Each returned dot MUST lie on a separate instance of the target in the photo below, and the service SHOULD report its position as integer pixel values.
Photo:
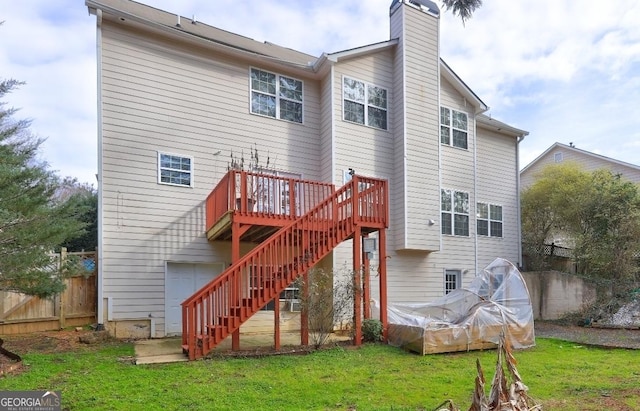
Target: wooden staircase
(223, 305)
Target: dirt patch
(47, 343)
(603, 337)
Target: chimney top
(427, 6)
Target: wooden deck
(296, 223)
(259, 203)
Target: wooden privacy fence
(75, 306)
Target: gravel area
(604, 337)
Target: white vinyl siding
(415, 105)
(497, 182)
(367, 150)
(158, 98)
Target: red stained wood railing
(221, 306)
(264, 195)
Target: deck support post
(382, 268)
(366, 287)
(357, 295)
(276, 323)
(304, 314)
(235, 256)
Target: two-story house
(177, 97)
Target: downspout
(405, 166)
(475, 196)
(333, 128)
(519, 216)
(100, 303)
(439, 215)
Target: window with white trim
(453, 128)
(175, 169)
(276, 96)
(455, 212)
(489, 220)
(452, 280)
(364, 103)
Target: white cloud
(562, 69)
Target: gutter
(191, 36)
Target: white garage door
(181, 282)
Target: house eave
(361, 51)
(462, 88)
(489, 123)
(123, 17)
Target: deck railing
(221, 306)
(264, 195)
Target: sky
(564, 70)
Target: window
(489, 220)
(453, 128)
(557, 157)
(365, 103)
(291, 298)
(455, 212)
(276, 96)
(175, 169)
(451, 280)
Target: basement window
(452, 280)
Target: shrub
(372, 330)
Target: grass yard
(561, 375)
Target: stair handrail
(348, 194)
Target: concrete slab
(168, 350)
(156, 351)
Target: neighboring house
(177, 97)
(561, 245)
(560, 153)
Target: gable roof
(462, 88)
(578, 150)
(129, 10)
(192, 30)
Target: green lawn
(560, 375)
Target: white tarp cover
(497, 301)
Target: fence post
(61, 296)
